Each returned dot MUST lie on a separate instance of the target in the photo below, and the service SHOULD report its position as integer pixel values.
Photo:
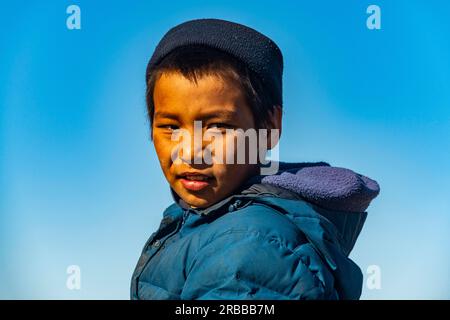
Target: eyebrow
(224, 114)
(165, 114)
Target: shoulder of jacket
(257, 219)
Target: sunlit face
(219, 104)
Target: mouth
(193, 181)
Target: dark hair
(196, 61)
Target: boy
(234, 233)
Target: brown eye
(219, 125)
(168, 127)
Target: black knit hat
(259, 53)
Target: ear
(275, 122)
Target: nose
(191, 153)
(189, 150)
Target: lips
(197, 177)
(194, 181)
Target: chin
(197, 203)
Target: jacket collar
(227, 204)
(250, 190)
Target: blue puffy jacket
(286, 236)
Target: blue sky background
(79, 179)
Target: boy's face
(219, 104)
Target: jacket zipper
(185, 215)
(184, 218)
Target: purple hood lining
(332, 188)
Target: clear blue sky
(79, 180)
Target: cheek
(162, 149)
(237, 148)
(228, 176)
(220, 172)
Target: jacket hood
(338, 197)
(330, 187)
(338, 194)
